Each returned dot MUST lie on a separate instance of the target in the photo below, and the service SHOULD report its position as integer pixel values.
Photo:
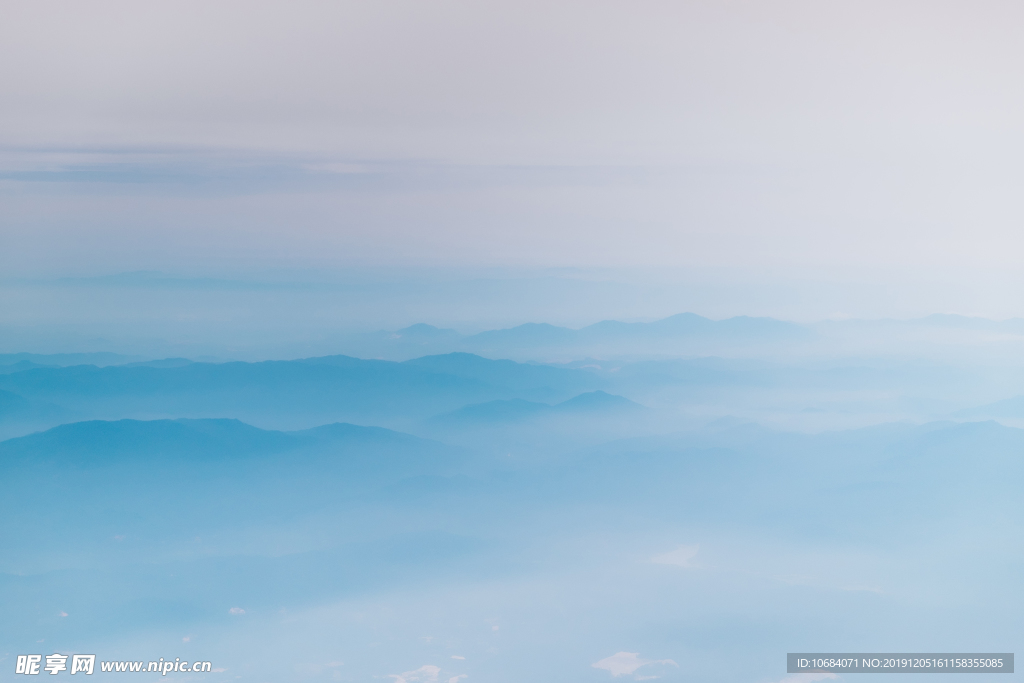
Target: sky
(857, 143)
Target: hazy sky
(210, 137)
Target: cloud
(680, 557)
(457, 657)
(425, 674)
(236, 610)
(622, 663)
(809, 678)
(455, 679)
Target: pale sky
(204, 137)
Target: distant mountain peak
(425, 332)
(597, 401)
(507, 410)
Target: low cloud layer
(625, 663)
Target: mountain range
(288, 394)
(686, 333)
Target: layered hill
(683, 334)
(288, 393)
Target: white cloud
(680, 557)
(809, 678)
(425, 674)
(455, 679)
(626, 663)
(236, 610)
